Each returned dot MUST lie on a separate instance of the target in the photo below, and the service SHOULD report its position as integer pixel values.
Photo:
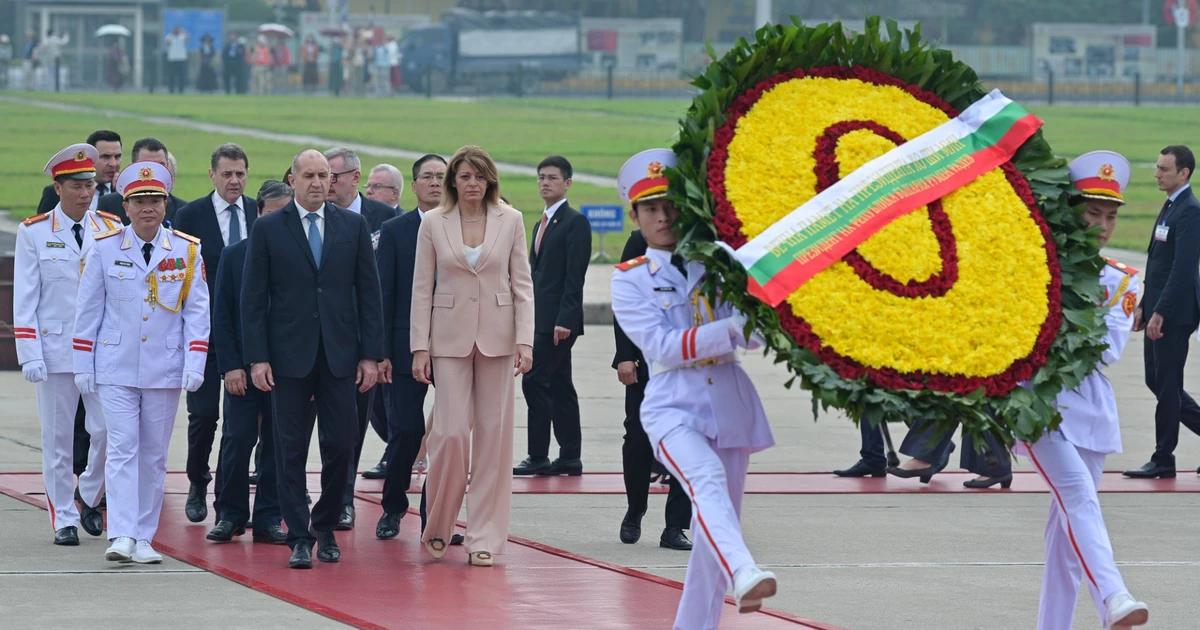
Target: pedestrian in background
(383, 70)
(233, 64)
(337, 67)
(475, 327)
(5, 59)
(177, 59)
(114, 66)
(309, 53)
(206, 81)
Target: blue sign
(605, 218)
(196, 23)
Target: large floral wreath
(976, 309)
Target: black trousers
(204, 407)
(364, 408)
(872, 450)
(1165, 359)
(406, 430)
(381, 411)
(551, 398)
(637, 460)
(239, 435)
(83, 441)
(924, 443)
(290, 406)
(176, 76)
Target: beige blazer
(456, 307)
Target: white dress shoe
(121, 550)
(145, 554)
(750, 586)
(1125, 612)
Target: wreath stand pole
(893, 459)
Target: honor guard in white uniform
(50, 248)
(701, 411)
(1071, 459)
(141, 336)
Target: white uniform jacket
(46, 280)
(1090, 410)
(141, 325)
(696, 379)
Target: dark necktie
(146, 249)
(1163, 213)
(235, 225)
(678, 262)
(78, 230)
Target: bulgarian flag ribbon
(925, 169)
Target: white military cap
(144, 178)
(1101, 175)
(644, 175)
(77, 161)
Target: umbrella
(276, 29)
(333, 31)
(113, 29)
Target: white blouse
(472, 254)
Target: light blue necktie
(235, 226)
(314, 237)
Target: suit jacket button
(121, 275)
(105, 342)
(45, 331)
(315, 315)
(143, 339)
(474, 299)
(145, 317)
(179, 347)
(710, 381)
(318, 290)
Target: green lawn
(596, 135)
(29, 136)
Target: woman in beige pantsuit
(472, 312)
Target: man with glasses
(344, 179)
(385, 184)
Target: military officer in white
(1071, 459)
(49, 250)
(701, 411)
(141, 336)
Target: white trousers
(715, 479)
(57, 400)
(1077, 544)
(139, 428)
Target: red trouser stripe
(696, 507)
(1063, 506)
(53, 520)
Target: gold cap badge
(146, 174)
(1106, 172)
(80, 156)
(654, 169)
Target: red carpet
(395, 584)
(757, 483)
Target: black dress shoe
(388, 526)
(327, 547)
(378, 472)
(90, 518)
(862, 469)
(533, 466)
(272, 535)
(674, 538)
(301, 557)
(1152, 470)
(307, 497)
(67, 537)
(1005, 482)
(631, 527)
(346, 521)
(457, 540)
(196, 508)
(224, 531)
(253, 478)
(569, 467)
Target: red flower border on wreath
(729, 228)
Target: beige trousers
(472, 432)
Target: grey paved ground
(864, 562)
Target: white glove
(85, 383)
(192, 380)
(737, 326)
(34, 371)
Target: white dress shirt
(225, 213)
(1175, 196)
(304, 220)
(356, 205)
(549, 212)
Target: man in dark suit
(233, 64)
(244, 403)
(108, 145)
(343, 190)
(312, 257)
(1170, 308)
(562, 249)
(144, 150)
(219, 219)
(637, 455)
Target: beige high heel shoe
(480, 559)
(436, 548)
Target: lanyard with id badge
(1160, 232)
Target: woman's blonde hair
(483, 164)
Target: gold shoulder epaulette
(112, 232)
(630, 264)
(35, 218)
(108, 215)
(186, 237)
(1122, 266)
